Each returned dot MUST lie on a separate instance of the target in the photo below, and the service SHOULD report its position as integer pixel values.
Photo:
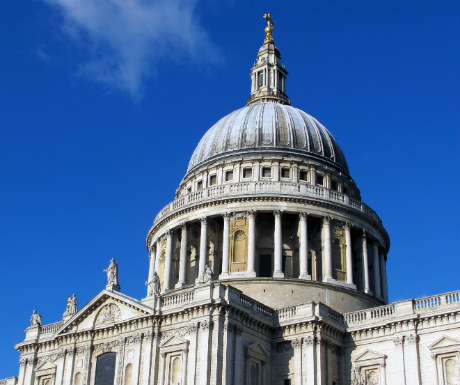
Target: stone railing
(256, 306)
(286, 312)
(298, 190)
(177, 299)
(371, 314)
(403, 308)
(50, 328)
(436, 301)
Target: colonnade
(379, 264)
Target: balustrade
(265, 187)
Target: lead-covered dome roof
(270, 128)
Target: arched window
(77, 379)
(128, 374)
(105, 369)
(175, 370)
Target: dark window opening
(229, 175)
(334, 186)
(260, 80)
(285, 173)
(266, 172)
(303, 175)
(105, 369)
(265, 265)
(319, 180)
(199, 185)
(287, 381)
(212, 180)
(247, 172)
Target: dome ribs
(268, 127)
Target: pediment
(256, 350)
(445, 343)
(47, 367)
(107, 308)
(174, 341)
(370, 355)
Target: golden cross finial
(269, 28)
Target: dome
(271, 128)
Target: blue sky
(102, 104)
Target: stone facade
(267, 268)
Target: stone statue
(154, 286)
(112, 273)
(72, 305)
(207, 277)
(35, 319)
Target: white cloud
(126, 39)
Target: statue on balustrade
(154, 286)
(207, 277)
(35, 319)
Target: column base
(179, 285)
(368, 291)
(305, 277)
(278, 274)
(224, 276)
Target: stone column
(383, 272)
(225, 246)
(168, 258)
(151, 265)
(348, 254)
(377, 285)
(183, 256)
(303, 260)
(327, 258)
(157, 255)
(278, 244)
(365, 265)
(203, 246)
(251, 243)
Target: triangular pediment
(369, 355)
(47, 366)
(173, 341)
(106, 309)
(257, 351)
(445, 343)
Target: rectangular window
(303, 175)
(260, 80)
(212, 180)
(228, 175)
(287, 381)
(189, 190)
(319, 180)
(199, 185)
(266, 172)
(334, 186)
(247, 173)
(285, 173)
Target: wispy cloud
(126, 39)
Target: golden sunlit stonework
(266, 269)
